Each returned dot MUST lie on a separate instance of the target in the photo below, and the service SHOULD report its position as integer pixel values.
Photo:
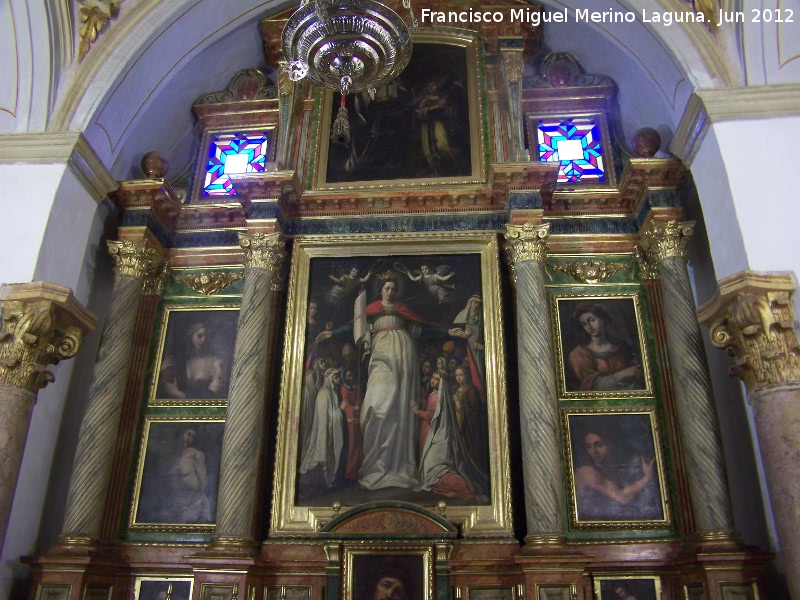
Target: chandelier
(347, 46)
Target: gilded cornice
(149, 194)
(68, 147)
(42, 323)
(133, 259)
(209, 282)
(525, 242)
(589, 271)
(660, 240)
(752, 319)
(263, 251)
(716, 105)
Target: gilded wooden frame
(160, 446)
(290, 517)
(632, 437)
(175, 588)
(476, 135)
(643, 587)
(579, 369)
(220, 322)
(364, 564)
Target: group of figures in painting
(394, 396)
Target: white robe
(388, 423)
(326, 441)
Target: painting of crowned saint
(601, 347)
(196, 354)
(394, 394)
(427, 107)
(615, 474)
(177, 481)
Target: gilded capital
(133, 259)
(647, 268)
(42, 324)
(660, 240)
(263, 251)
(752, 319)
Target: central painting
(393, 379)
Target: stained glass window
(233, 153)
(575, 143)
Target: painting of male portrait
(178, 477)
(196, 354)
(628, 588)
(394, 391)
(602, 347)
(387, 576)
(615, 471)
(426, 108)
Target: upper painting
(425, 126)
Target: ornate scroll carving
(752, 319)
(263, 251)
(589, 271)
(660, 240)
(42, 324)
(210, 282)
(94, 15)
(134, 259)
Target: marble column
(134, 263)
(42, 324)
(244, 424)
(541, 449)
(752, 318)
(664, 244)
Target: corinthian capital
(134, 259)
(525, 242)
(263, 251)
(42, 323)
(660, 240)
(751, 318)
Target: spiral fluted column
(42, 324)
(244, 425)
(134, 263)
(541, 450)
(664, 245)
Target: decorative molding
(715, 105)
(649, 270)
(263, 251)
(94, 14)
(70, 148)
(751, 317)
(42, 324)
(209, 282)
(660, 240)
(589, 271)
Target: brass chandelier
(347, 46)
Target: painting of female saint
(195, 355)
(602, 349)
(417, 126)
(369, 376)
(615, 474)
(177, 477)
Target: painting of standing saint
(374, 408)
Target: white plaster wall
(26, 198)
(762, 178)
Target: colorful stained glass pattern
(233, 153)
(575, 143)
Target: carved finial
(336, 506)
(646, 142)
(441, 506)
(154, 166)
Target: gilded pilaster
(513, 70)
(526, 251)
(664, 244)
(42, 324)
(134, 263)
(752, 319)
(244, 426)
